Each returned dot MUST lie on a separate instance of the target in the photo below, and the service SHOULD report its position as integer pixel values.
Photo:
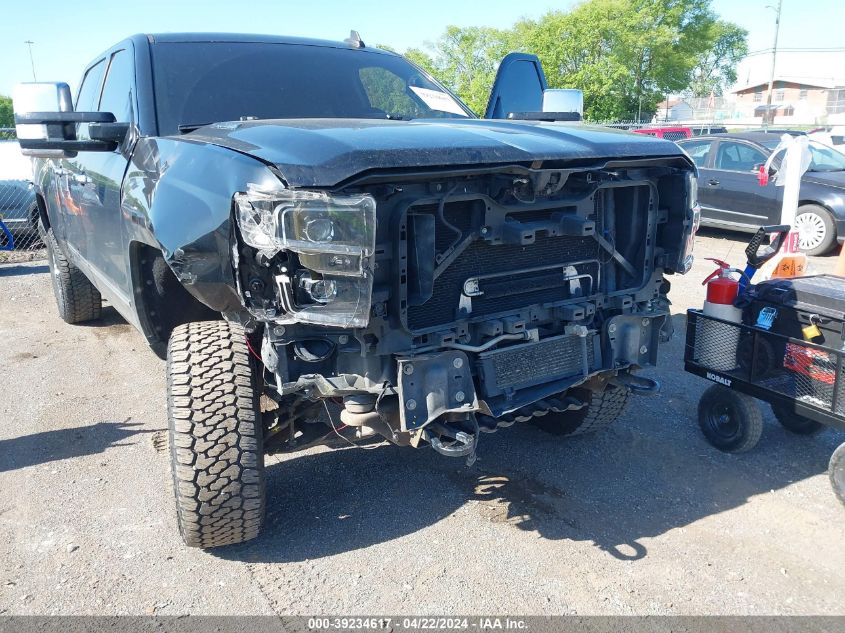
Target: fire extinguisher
(722, 292)
(716, 343)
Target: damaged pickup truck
(303, 221)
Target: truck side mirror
(46, 123)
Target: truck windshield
(198, 83)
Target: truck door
(98, 177)
(519, 86)
(74, 227)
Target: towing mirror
(46, 123)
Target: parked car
(832, 137)
(706, 130)
(18, 209)
(731, 196)
(306, 221)
(669, 133)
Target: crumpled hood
(325, 152)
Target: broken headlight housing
(334, 239)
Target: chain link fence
(19, 238)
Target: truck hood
(326, 152)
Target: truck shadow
(51, 446)
(651, 472)
(614, 490)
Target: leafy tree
(624, 54)
(716, 69)
(7, 116)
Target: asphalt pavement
(644, 518)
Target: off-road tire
(795, 423)
(730, 421)
(76, 297)
(836, 472)
(216, 446)
(603, 408)
(822, 218)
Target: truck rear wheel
(76, 297)
(603, 407)
(216, 446)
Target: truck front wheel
(216, 446)
(603, 408)
(76, 297)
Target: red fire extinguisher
(716, 343)
(721, 292)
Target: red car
(669, 133)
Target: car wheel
(216, 445)
(816, 232)
(76, 297)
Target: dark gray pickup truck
(301, 221)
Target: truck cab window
(89, 89)
(118, 87)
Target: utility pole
(769, 117)
(31, 60)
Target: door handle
(713, 182)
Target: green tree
(716, 69)
(624, 54)
(7, 115)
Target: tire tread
(76, 297)
(215, 435)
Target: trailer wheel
(836, 471)
(216, 445)
(730, 421)
(795, 423)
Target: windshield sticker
(437, 100)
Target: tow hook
(464, 444)
(638, 385)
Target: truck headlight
(335, 234)
(334, 238)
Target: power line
(768, 51)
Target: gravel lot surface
(645, 518)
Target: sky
(70, 34)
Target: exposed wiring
(343, 437)
(249, 345)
